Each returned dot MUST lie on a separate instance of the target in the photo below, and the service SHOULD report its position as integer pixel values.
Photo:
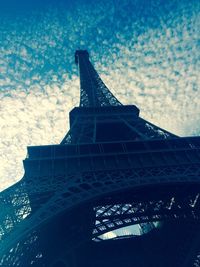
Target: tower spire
(101, 117)
(94, 92)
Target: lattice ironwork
(94, 92)
(62, 192)
(96, 128)
(113, 169)
(173, 206)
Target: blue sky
(147, 52)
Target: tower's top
(94, 92)
(101, 117)
(79, 53)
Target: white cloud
(153, 66)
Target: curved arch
(121, 187)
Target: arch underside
(161, 204)
(38, 203)
(108, 212)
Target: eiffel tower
(118, 191)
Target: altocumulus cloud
(147, 52)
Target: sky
(146, 51)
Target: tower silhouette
(118, 191)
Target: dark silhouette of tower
(118, 191)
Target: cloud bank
(147, 54)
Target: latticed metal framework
(83, 202)
(94, 92)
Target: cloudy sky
(146, 51)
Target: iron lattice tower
(113, 173)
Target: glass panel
(46, 151)
(59, 151)
(135, 146)
(84, 149)
(34, 152)
(158, 145)
(95, 149)
(71, 150)
(112, 147)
